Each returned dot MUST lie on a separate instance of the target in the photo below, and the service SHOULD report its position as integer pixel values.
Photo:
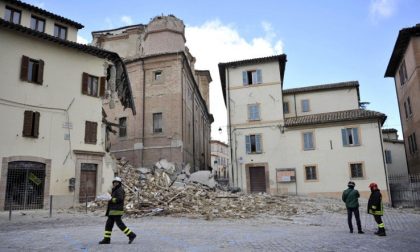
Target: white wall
(398, 166)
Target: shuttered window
(91, 129)
(308, 141)
(93, 85)
(31, 124)
(253, 112)
(157, 122)
(253, 144)
(350, 136)
(32, 70)
(252, 77)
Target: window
(157, 122)
(92, 85)
(310, 172)
(253, 144)
(37, 24)
(251, 77)
(388, 157)
(405, 110)
(12, 15)
(91, 129)
(412, 143)
(286, 107)
(253, 112)
(305, 105)
(122, 126)
(403, 73)
(32, 70)
(410, 112)
(60, 31)
(31, 124)
(356, 170)
(158, 75)
(350, 136)
(308, 141)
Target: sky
(326, 41)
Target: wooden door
(87, 190)
(257, 179)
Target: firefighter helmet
(373, 185)
(116, 179)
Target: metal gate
(405, 190)
(25, 185)
(87, 182)
(257, 179)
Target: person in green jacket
(351, 197)
(114, 211)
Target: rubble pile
(168, 190)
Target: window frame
(32, 70)
(59, 31)
(122, 127)
(257, 139)
(252, 77)
(91, 132)
(312, 138)
(402, 72)
(410, 111)
(302, 103)
(31, 121)
(362, 167)
(345, 143)
(157, 75)
(87, 85)
(250, 112)
(12, 14)
(155, 117)
(286, 105)
(37, 21)
(388, 156)
(306, 179)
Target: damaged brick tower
(171, 97)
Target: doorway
(88, 175)
(257, 179)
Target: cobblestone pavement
(35, 231)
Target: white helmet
(116, 179)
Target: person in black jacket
(376, 208)
(351, 197)
(114, 211)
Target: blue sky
(326, 41)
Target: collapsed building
(171, 97)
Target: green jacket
(351, 197)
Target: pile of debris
(168, 190)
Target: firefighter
(351, 197)
(376, 208)
(114, 211)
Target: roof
(204, 73)
(126, 98)
(43, 12)
(323, 87)
(394, 141)
(331, 117)
(218, 142)
(389, 131)
(400, 46)
(120, 28)
(282, 59)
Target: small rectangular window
(60, 31)
(12, 15)
(31, 124)
(90, 85)
(356, 170)
(410, 112)
(388, 157)
(350, 136)
(305, 105)
(32, 70)
(157, 122)
(286, 107)
(412, 143)
(308, 141)
(37, 24)
(402, 72)
(311, 172)
(157, 75)
(91, 129)
(253, 144)
(251, 77)
(253, 112)
(405, 110)
(123, 126)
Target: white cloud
(82, 40)
(381, 9)
(127, 20)
(213, 43)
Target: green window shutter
(248, 144)
(344, 136)
(259, 76)
(244, 78)
(24, 68)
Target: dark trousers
(378, 219)
(114, 219)
(350, 212)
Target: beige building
(309, 140)
(394, 153)
(171, 97)
(53, 135)
(220, 159)
(404, 67)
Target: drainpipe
(229, 126)
(144, 104)
(294, 100)
(384, 163)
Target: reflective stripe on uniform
(114, 200)
(127, 231)
(107, 234)
(116, 212)
(381, 225)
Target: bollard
(51, 198)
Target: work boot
(351, 231)
(381, 232)
(378, 231)
(360, 232)
(105, 241)
(131, 237)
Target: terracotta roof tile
(338, 85)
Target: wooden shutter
(355, 136)
(259, 76)
(258, 148)
(102, 87)
(85, 78)
(245, 78)
(36, 124)
(24, 68)
(248, 144)
(40, 78)
(344, 136)
(90, 132)
(27, 123)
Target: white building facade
(219, 159)
(308, 141)
(394, 150)
(51, 89)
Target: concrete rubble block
(168, 167)
(204, 178)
